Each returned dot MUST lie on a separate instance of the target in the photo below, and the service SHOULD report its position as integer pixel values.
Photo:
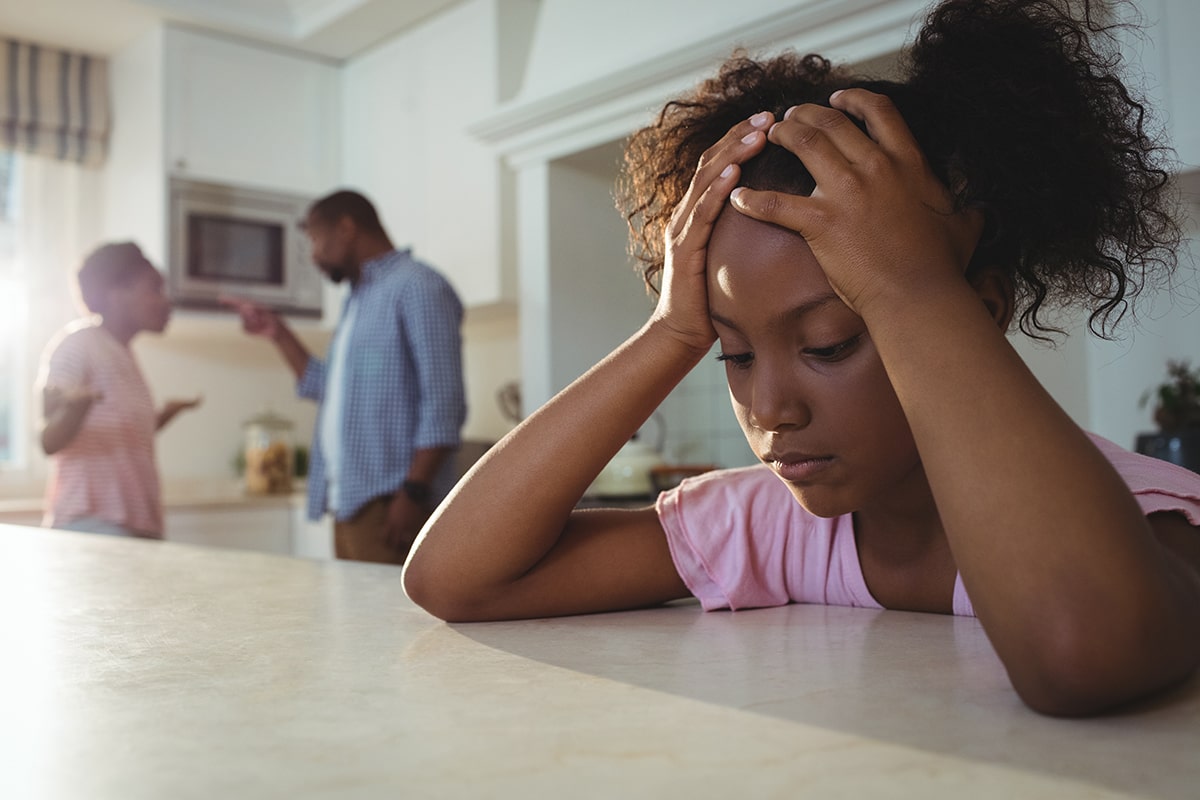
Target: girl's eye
(737, 360)
(834, 352)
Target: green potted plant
(1177, 414)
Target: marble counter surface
(195, 494)
(138, 669)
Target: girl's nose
(777, 401)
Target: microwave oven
(239, 241)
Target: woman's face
(807, 384)
(144, 301)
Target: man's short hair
(347, 203)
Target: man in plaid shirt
(390, 391)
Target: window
(13, 315)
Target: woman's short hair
(109, 266)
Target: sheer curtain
(59, 218)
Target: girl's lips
(799, 468)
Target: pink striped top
(108, 471)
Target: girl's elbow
(1063, 696)
(437, 592)
(1079, 676)
(1079, 695)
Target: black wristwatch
(417, 492)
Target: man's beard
(335, 272)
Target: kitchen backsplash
(701, 427)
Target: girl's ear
(995, 289)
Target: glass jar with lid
(269, 454)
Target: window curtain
(57, 223)
(53, 102)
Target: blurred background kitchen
(488, 132)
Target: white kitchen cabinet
(263, 528)
(198, 106)
(243, 114)
(311, 538)
(406, 106)
(20, 514)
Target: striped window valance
(53, 102)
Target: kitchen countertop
(195, 494)
(139, 669)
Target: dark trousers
(363, 537)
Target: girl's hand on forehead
(880, 223)
(683, 302)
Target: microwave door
(241, 242)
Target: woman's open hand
(172, 409)
(879, 222)
(683, 303)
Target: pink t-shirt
(108, 471)
(740, 540)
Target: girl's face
(807, 384)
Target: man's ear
(996, 290)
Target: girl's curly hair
(1016, 104)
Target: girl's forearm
(512, 507)
(1057, 556)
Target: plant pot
(1178, 447)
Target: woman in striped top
(99, 417)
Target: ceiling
(336, 29)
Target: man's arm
(431, 318)
(260, 321)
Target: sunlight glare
(14, 307)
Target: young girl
(859, 249)
(99, 418)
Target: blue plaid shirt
(403, 383)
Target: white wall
(490, 360)
(1168, 327)
(1101, 383)
(406, 108)
(597, 300)
(238, 377)
(596, 297)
